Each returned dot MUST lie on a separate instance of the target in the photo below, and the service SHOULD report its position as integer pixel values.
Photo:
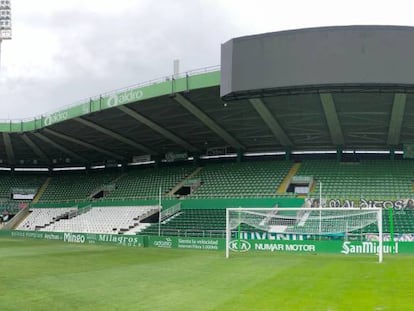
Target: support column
(157, 160)
(239, 156)
(288, 154)
(196, 160)
(338, 154)
(392, 153)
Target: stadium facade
(286, 113)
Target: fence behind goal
(311, 226)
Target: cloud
(65, 51)
(60, 55)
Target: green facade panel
(186, 204)
(5, 126)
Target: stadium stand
(146, 182)
(75, 186)
(11, 206)
(42, 217)
(403, 221)
(246, 179)
(193, 222)
(119, 219)
(368, 179)
(241, 179)
(9, 181)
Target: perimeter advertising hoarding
(187, 243)
(79, 238)
(317, 57)
(258, 245)
(314, 247)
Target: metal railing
(171, 211)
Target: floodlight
(5, 21)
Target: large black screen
(356, 55)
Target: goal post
(351, 230)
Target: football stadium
(282, 179)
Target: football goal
(347, 228)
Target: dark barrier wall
(318, 57)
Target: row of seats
(365, 179)
(9, 181)
(233, 179)
(242, 179)
(41, 217)
(372, 179)
(193, 222)
(148, 182)
(76, 185)
(115, 220)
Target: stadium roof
(185, 114)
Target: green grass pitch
(50, 275)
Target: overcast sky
(64, 51)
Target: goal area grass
(52, 275)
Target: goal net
(311, 224)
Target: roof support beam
(84, 144)
(35, 148)
(154, 126)
(9, 149)
(270, 121)
(331, 116)
(117, 136)
(207, 121)
(397, 115)
(59, 147)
